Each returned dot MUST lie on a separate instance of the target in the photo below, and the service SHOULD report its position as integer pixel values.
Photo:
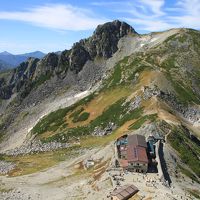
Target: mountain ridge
(85, 50)
(13, 61)
(113, 83)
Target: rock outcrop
(35, 80)
(103, 43)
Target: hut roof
(137, 140)
(125, 192)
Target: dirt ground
(69, 180)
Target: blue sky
(52, 25)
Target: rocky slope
(112, 83)
(103, 44)
(36, 80)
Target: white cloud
(154, 5)
(107, 3)
(149, 15)
(156, 15)
(149, 25)
(145, 14)
(56, 16)
(189, 14)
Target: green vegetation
(3, 189)
(116, 113)
(31, 163)
(2, 157)
(184, 93)
(56, 119)
(79, 116)
(169, 62)
(116, 76)
(76, 113)
(188, 173)
(188, 150)
(195, 39)
(51, 122)
(124, 72)
(171, 38)
(41, 79)
(195, 193)
(55, 124)
(136, 68)
(142, 120)
(182, 38)
(82, 117)
(179, 37)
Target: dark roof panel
(137, 140)
(125, 192)
(137, 153)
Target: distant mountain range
(8, 60)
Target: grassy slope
(29, 164)
(178, 57)
(188, 150)
(108, 105)
(184, 91)
(103, 107)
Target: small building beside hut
(89, 163)
(124, 193)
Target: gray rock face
(99, 131)
(103, 43)
(190, 113)
(135, 104)
(6, 167)
(16, 194)
(36, 146)
(36, 80)
(78, 57)
(18, 79)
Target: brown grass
(46, 135)
(99, 104)
(29, 164)
(147, 77)
(124, 128)
(94, 141)
(100, 169)
(153, 106)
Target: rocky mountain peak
(103, 43)
(105, 38)
(116, 27)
